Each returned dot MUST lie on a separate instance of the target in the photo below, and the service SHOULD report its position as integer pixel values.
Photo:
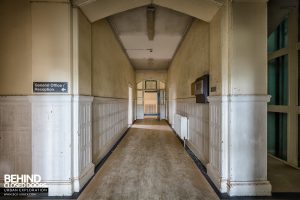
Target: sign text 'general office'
(50, 87)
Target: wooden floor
(149, 163)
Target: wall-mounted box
(193, 88)
(202, 89)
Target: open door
(151, 100)
(151, 104)
(140, 101)
(130, 106)
(162, 104)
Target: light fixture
(151, 22)
(150, 50)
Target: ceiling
(130, 21)
(99, 9)
(131, 28)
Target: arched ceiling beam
(99, 9)
(200, 9)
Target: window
(139, 101)
(299, 23)
(162, 97)
(279, 38)
(298, 86)
(298, 140)
(278, 80)
(140, 85)
(150, 85)
(278, 89)
(298, 77)
(139, 96)
(277, 134)
(162, 85)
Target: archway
(201, 9)
(151, 99)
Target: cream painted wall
(190, 62)
(111, 69)
(82, 54)
(85, 55)
(35, 44)
(51, 42)
(219, 52)
(248, 49)
(15, 48)
(215, 54)
(141, 75)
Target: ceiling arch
(99, 9)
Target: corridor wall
(83, 168)
(36, 46)
(231, 128)
(15, 48)
(15, 80)
(141, 75)
(50, 134)
(112, 73)
(190, 62)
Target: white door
(150, 103)
(162, 104)
(130, 107)
(140, 105)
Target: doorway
(130, 107)
(151, 99)
(150, 104)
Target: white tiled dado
(51, 135)
(222, 143)
(52, 142)
(234, 144)
(198, 130)
(171, 112)
(110, 121)
(15, 135)
(83, 168)
(217, 168)
(247, 144)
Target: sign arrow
(50, 87)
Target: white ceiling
(131, 28)
(130, 25)
(99, 9)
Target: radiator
(181, 126)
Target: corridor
(149, 163)
(92, 91)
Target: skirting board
(259, 188)
(215, 177)
(84, 178)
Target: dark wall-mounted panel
(202, 89)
